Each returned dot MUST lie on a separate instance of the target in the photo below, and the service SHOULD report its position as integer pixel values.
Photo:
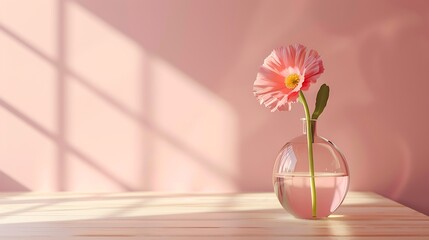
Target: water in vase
(294, 192)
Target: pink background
(157, 95)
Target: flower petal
(305, 85)
(269, 86)
(293, 97)
(313, 66)
(268, 76)
(300, 56)
(274, 63)
(286, 55)
(282, 105)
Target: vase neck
(313, 126)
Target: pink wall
(157, 95)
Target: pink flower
(285, 72)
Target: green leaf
(321, 100)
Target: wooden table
(139, 215)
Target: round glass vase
(292, 178)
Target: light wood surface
(140, 215)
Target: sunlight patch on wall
(103, 56)
(107, 137)
(120, 93)
(27, 82)
(126, 120)
(83, 177)
(201, 147)
(105, 67)
(28, 92)
(25, 154)
(33, 21)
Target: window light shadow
(59, 138)
(69, 148)
(70, 17)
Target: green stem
(310, 153)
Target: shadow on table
(158, 216)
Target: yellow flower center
(292, 81)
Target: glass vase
(291, 176)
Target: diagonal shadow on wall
(63, 147)
(8, 184)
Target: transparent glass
(291, 176)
